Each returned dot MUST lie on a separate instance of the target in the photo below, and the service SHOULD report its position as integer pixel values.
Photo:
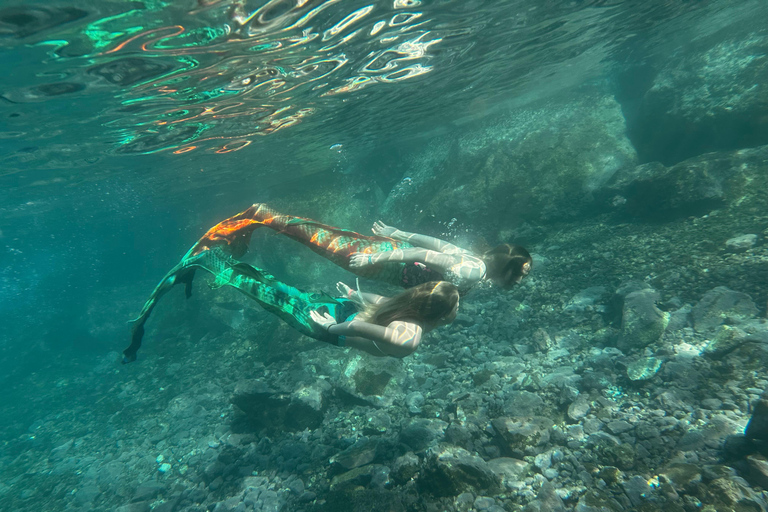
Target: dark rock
(523, 403)
(419, 434)
(618, 426)
(260, 405)
(757, 473)
(378, 422)
(612, 452)
(463, 320)
(757, 428)
(646, 430)
(682, 476)
(360, 454)
(380, 477)
(637, 490)
(610, 475)
(654, 192)
(642, 323)
(722, 305)
(307, 407)
(449, 471)
(404, 468)
(371, 382)
(546, 500)
(680, 318)
(414, 401)
(734, 493)
(736, 447)
(147, 490)
(726, 339)
(361, 476)
(140, 506)
(578, 409)
(513, 435)
(595, 500)
(364, 500)
(509, 469)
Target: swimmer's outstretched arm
(433, 259)
(462, 265)
(398, 339)
(427, 242)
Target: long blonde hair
(426, 303)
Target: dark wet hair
(427, 303)
(504, 264)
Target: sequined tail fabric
(290, 304)
(335, 244)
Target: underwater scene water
(621, 144)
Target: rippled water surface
(186, 78)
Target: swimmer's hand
(353, 295)
(359, 260)
(381, 229)
(326, 321)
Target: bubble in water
(341, 163)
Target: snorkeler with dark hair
(373, 323)
(392, 256)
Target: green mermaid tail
(292, 305)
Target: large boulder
(711, 97)
(537, 162)
(722, 305)
(262, 405)
(692, 187)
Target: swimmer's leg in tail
(334, 244)
(292, 305)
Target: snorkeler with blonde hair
(390, 255)
(378, 325)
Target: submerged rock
(509, 470)
(691, 187)
(642, 323)
(596, 500)
(546, 500)
(643, 368)
(421, 433)
(515, 434)
(307, 406)
(722, 305)
(757, 428)
(523, 403)
(449, 471)
(405, 467)
(578, 409)
(726, 339)
(713, 99)
(360, 454)
(741, 243)
(537, 162)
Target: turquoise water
(624, 143)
